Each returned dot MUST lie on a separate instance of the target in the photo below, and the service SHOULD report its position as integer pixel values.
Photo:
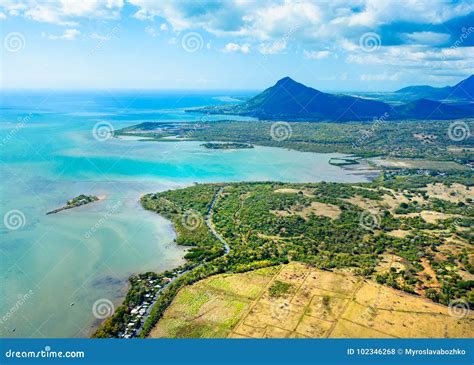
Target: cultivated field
(295, 300)
(420, 164)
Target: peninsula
(76, 202)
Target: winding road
(210, 225)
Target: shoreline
(188, 266)
(362, 168)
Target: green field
(411, 233)
(320, 304)
(397, 139)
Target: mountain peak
(285, 81)
(290, 100)
(469, 80)
(462, 90)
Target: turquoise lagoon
(54, 268)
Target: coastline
(364, 170)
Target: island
(76, 202)
(227, 146)
(343, 161)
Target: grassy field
(295, 300)
(410, 234)
(420, 164)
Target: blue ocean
(55, 267)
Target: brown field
(316, 304)
(399, 233)
(316, 208)
(430, 216)
(294, 191)
(388, 260)
(391, 200)
(454, 193)
(419, 164)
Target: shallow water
(55, 267)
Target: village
(146, 289)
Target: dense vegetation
(187, 210)
(227, 146)
(76, 202)
(290, 100)
(407, 139)
(272, 223)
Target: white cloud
(2, 15)
(99, 37)
(427, 38)
(68, 34)
(376, 12)
(414, 57)
(380, 77)
(276, 26)
(268, 20)
(151, 30)
(62, 12)
(234, 47)
(272, 48)
(316, 55)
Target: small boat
(13, 329)
(72, 304)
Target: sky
(353, 45)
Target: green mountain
(463, 90)
(289, 100)
(428, 109)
